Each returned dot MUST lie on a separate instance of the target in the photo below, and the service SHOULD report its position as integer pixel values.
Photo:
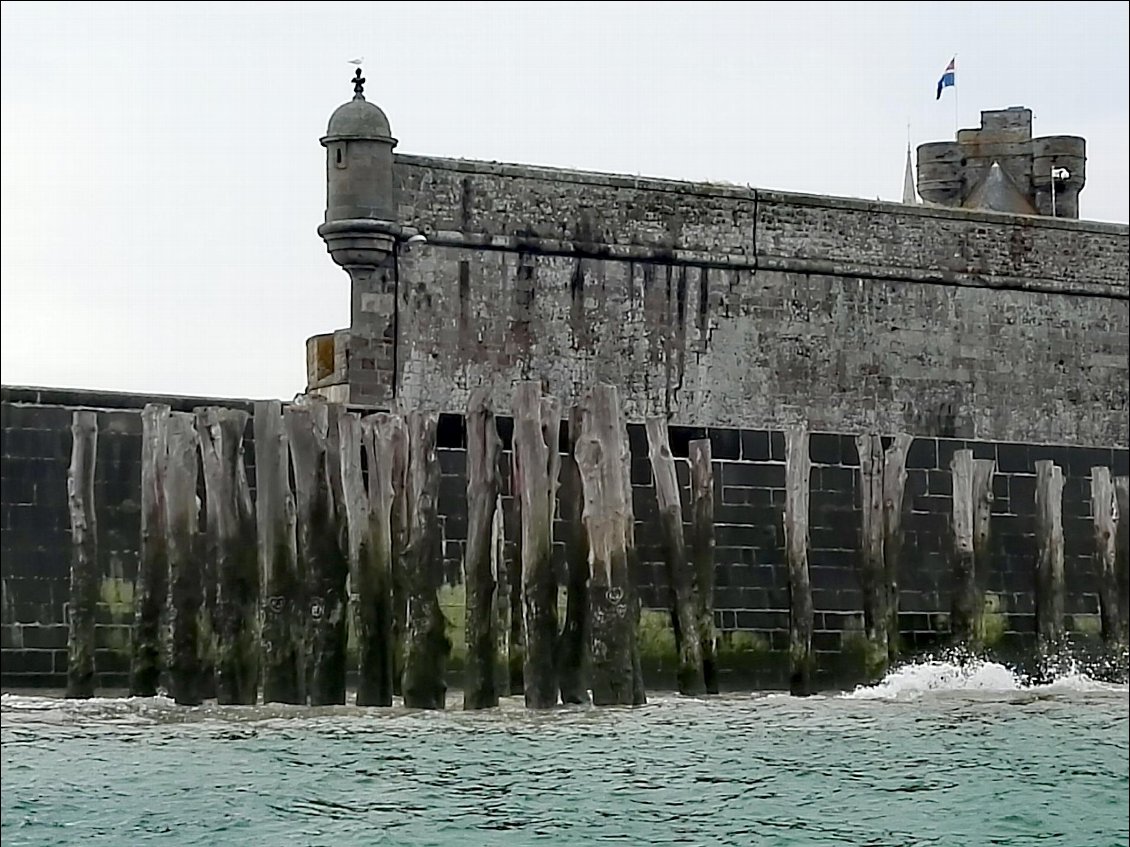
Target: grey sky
(162, 177)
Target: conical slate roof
(908, 194)
(996, 192)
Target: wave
(939, 675)
(36, 702)
(116, 711)
(964, 674)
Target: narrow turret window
(339, 155)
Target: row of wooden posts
(269, 585)
(883, 476)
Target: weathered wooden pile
(344, 526)
(345, 523)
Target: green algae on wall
(117, 595)
(861, 659)
(739, 650)
(1088, 625)
(453, 604)
(993, 620)
(740, 654)
(657, 640)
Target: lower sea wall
(751, 597)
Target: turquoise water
(932, 756)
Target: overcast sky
(163, 180)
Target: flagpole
(955, 123)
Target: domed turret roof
(358, 119)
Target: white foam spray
(935, 675)
(941, 675)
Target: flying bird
(357, 61)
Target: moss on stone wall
(117, 594)
(657, 640)
(743, 655)
(1088, 625)
(453, 603)
(993, 620)
(352, 649)
(861, 659)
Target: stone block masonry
(751, 594)
(35, 529)
(734, 307)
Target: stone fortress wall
(733, 307)
(732, 311)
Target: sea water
(936, 754)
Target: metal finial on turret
(358, 86)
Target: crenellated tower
(1000, 167)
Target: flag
(947, 78)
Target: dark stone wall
(752, 592)
(35, 527)
(35, 538)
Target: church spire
(908, 194)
